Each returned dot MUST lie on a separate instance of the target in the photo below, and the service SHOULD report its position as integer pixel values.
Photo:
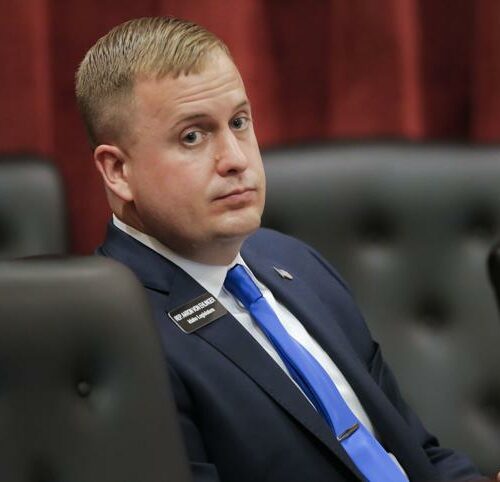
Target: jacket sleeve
(451, 465)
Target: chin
(239, 226)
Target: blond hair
(150, 46)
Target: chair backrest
(494, 270)
(84, 394)
(409, 227)
(32, 208)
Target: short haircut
(152, 47)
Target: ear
(112, 164)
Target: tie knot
(239, 283)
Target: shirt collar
(211, 277)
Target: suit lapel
(298, 297)
(233, 341)
(310, 310)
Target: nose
(230, 158)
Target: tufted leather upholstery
(409, 227)
(84, 395)
(32, 208)
(494, 270)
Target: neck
(217, 253)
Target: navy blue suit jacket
(242, 418)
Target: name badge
(197, 313)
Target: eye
(192, 138)
(240, 123)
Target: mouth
(238, 195)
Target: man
(259, 383)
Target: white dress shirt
(212, 279)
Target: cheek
(252, 152)
(179, 189)
(145, 178)
(150, 190)
(183, 194)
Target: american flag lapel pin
(283, 273)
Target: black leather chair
(84, 393)
(32, 208)
(409, 227)
(494, 270)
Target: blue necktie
(364, 450)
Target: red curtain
(326, 69)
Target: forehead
(218, 85)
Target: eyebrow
(198, 116)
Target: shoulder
(292, 252)
(270, 241)
(319, 276)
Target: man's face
(194, 167)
